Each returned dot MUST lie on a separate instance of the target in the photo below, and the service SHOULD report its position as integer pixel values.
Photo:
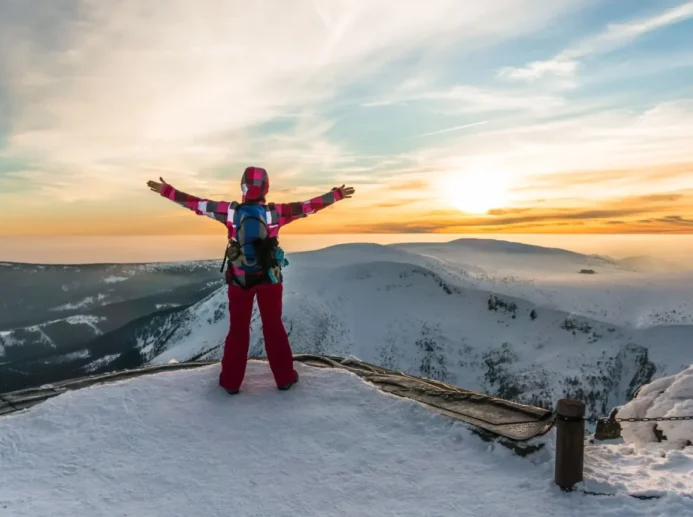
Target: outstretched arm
(289, 212)
(217, 210)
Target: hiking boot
(230, 392)
(287, 386)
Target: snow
(7, 339)
(549, 277)
(113, 279)
(654, 470)
(666, 397)
(42, 336)
(80, 354)
(40, 333)
(175, 444)
(86, 302)
(160, 306)
(424, 309)
(102, 361)
(88, 320)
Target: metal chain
(594, 419)
(655, 419)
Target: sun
(476, 192)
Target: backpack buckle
(233, 250)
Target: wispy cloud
(613, 178)
(676, 220)
(617, 35)
(398, 97)
(117, 86)
(450, 129)
(562, 68)
(609, 139)
(473, 99)
(627, 213)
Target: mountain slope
(60, 321)
(33, 294)
(513, 320)
(405, 316)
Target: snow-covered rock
(670, 396)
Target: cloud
(617, 214)
(450, 129)
(676, 220)
(614, 36)
(617, 35)
(394, 227)
(542, 156)
(613, 211)
(107, 94)
(110, 88)
(635, 176)
(404, 184)
(392, 204)
(661, 198)
(564, 69)
(467, 99)
(555, 215)
(508, 211)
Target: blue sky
(491, 98)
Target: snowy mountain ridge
(419, 309)
(517, 321)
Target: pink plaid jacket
(278, 214)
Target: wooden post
(570, 443)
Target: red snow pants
(279, 355)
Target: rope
(636, 496)
(459, 413)
(9, 403)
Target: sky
(503, 116)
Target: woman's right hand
(157, 187)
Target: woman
(242, 287)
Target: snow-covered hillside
(619, 292)
(501, 318)
(523, 322)
(175, 444)
(58, 321)
(35, 293)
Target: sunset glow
(477, 192)
(507, 116)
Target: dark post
(570, 443)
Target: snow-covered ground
(174, 444)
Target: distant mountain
(508, 247)
(55, 316)
(650, 264)
(409, 318)
(523, 325)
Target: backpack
(253, 250)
